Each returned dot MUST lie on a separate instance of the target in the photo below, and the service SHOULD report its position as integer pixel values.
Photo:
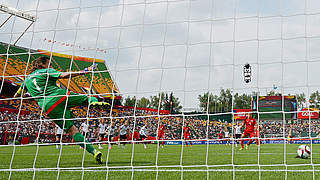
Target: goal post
(161, 88)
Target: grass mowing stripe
(219, 162)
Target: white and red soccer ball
(304, 151)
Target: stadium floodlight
(18, 13)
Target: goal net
(161, 88)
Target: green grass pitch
(193, 160)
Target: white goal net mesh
(177, 79)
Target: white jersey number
(36, 85)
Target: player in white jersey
(84, 128)
(59, 133)
(111, 133)
(102, 131)
(123, 133)
(143, 135)
(226, 135)
(237, 132)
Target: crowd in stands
(28, 125)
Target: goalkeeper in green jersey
(56, 102)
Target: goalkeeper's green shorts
(59, 108)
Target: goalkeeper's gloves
(90, 68)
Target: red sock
(241, 143)
(257, 141)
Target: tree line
(213, 103)
(161, 101)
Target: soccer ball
(303, 151)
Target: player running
(186, 135)
(250, 124)
(220, 137)
(56, 102)
(85, 129)
(237, 132)
(143, 135)
(257, 134)
(161, 134)
(110, 133)
(58, 136)
(290, 135)
(102, 131)
(123, 133)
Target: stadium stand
(29, 129)
(14, 65)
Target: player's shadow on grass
(307, 159)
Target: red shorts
(249, 133)
(186, 136)
(161, 135)
(257, 134)
(220, 137)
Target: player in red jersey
(220, 135)
(250, 124)
(161, 134)
(257, 134)
(290, 136)
(186, 135)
